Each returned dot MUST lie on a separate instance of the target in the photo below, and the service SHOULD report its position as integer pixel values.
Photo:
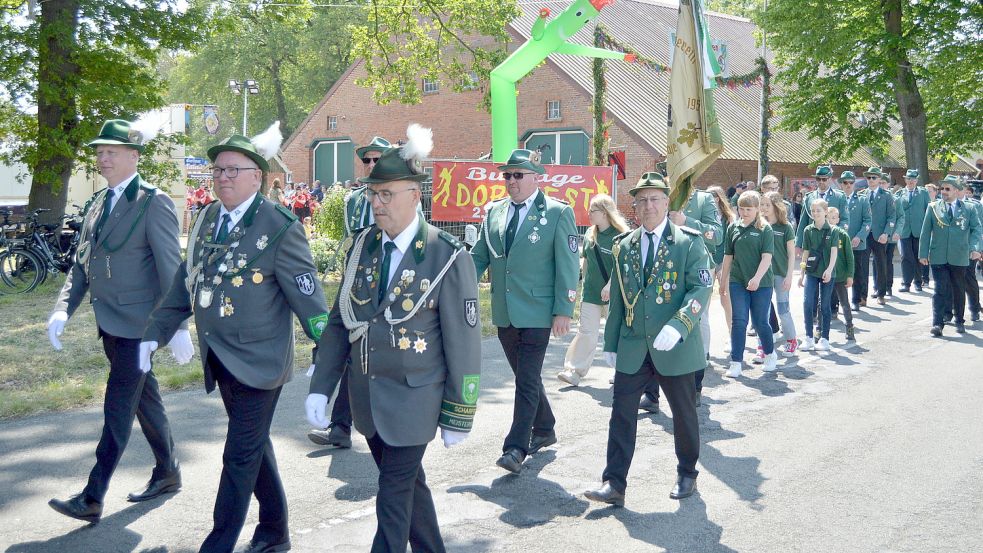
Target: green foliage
(436, 41)
(839, 68)
(740, 8)
(326, 256)
(329, 220)
(295, 53)
(77, 64)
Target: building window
(470, 81)
(553, 110)
(332, 122)
(430, 86)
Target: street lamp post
(245, 88)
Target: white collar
(528, 201)
(236, 213)
(404, 239)
(119, 188)
(659, 229)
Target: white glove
(452, 437)
(611, 359)
(146, 349)
(316, 405)
(181, 347)
(56, 325)
(667, 339)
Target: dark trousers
(248, 465)
(818, 295)
(861, 271)
(628, 389)
(129, 393)
(972, 287)
(840, 292)
(911, 269)
(341, 412)
(403, 507)
(878, 252)
(948, 295)
(525, 349)
(891, 247)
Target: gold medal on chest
(407, 304)
(257, 277)
(237, 281)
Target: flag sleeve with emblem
(693, 139)
(462, 345)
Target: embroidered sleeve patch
(706, 278)
(469, 388)
(471, 312)
(573, 242)
(317, 324)
(306, 284)
(571, 295)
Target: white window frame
(558, 154)
(431, 86)
(550, 105)
(333, 144)
(332, 122)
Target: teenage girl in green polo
(747, 277)
(596, 262)
(818, 241)
(782, 264)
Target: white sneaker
(771, 363)
(735, 370)
(822, 345)
(570, 377)
(807, 344)
(759, 357)
(727, 348)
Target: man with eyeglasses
(530, 244)
(660, 288)
(407, 319)
(883, 221)
(358, 211)
(127, 255)
(911, 202)
(823, 191)
(950, 238)
(248, 272)
(858, 212)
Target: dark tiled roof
(638, 96)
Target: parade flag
(693, 139)
(211, 119)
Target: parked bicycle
(41, 249)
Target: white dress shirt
(403, 242)
(655, 239)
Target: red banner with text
(461, 189)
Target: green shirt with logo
(783, 232)
(600, 244)
(818, 240)
(747, 244)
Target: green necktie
(107, 206)
(649, 257)
(222, 232)
(512, 227)
(384, 272)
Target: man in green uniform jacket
(530, 244)
(834, 198)
(661, 286)
(911, 202)
(950, 238)
(858, 213)
(883, 219)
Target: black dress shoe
(975, 316)
(539, 442)
(918, 287)
(336, 435)
(168, 483)
(78, 506)
(606, 494)
(937, 330)
(261, 546)
(647, 404)
(685, 486)
(905, 289)
(960, 328)
(512, 460)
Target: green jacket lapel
(123, 206)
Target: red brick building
(555, 108)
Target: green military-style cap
(847, 175)
(911, 174)
(118, 132)
(392, 167)
(378, 144)
(874, 172)
(524, 159)
(824, 172)
(953, 181)
(241, 144)
(651, 181)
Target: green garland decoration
(601, 137)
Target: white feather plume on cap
(419, 143)
(268, 142)
(147, 127)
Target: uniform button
(95, 299)
(373, 320)
(508, 272)
(206, 333)
(372, 377)
(508, 289)
(371, 349)
(646, 296)
(647, 317)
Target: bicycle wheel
(20, 271)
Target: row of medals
(665, 281)
(206, 294)
(534, 235)
(405, 279)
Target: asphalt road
(874, 447)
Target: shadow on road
(687, 529)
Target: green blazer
(913, 211)
(883, 214)
(976, 205)
(948, 240)
(538, 279)
(858, 208)
(835, 198)
(701, 214)
(683, 264)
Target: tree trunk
(914, 123)
(281, 102)
(57, 107)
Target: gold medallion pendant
(407, 304)
(257, 277)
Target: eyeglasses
(385, 196)
(946, 189)
(646, 201)
(821, 179)
(846, 182)
(370, 160)
(514, 176)
(230, 172)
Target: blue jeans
(758, 304)
(817, 290)
(784, 312)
